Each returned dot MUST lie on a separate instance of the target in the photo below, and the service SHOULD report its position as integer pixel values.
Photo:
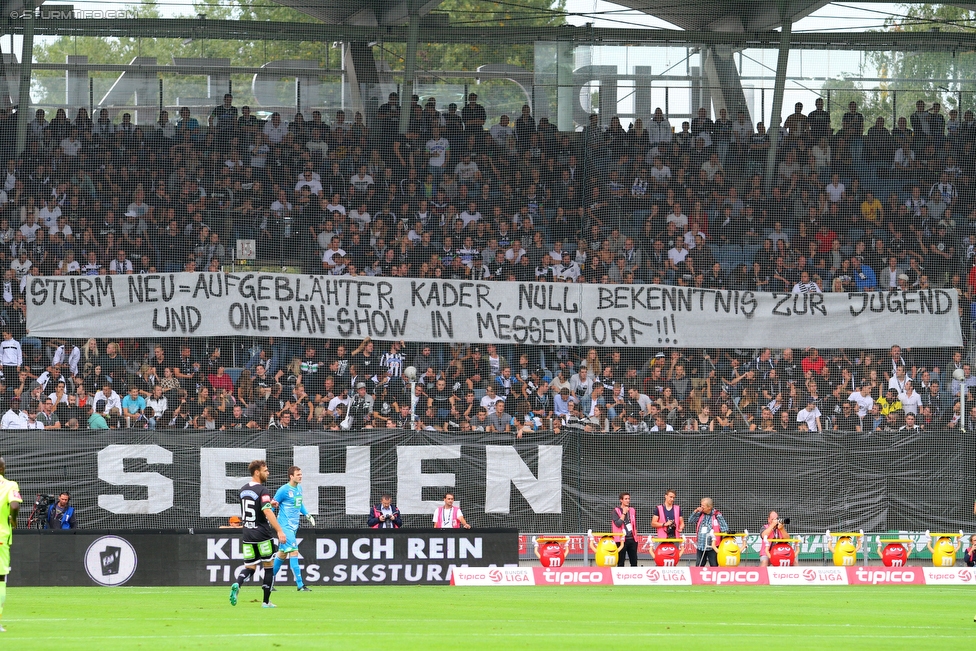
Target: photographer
(775, 529)
(969, 555)
(60, 515)
(667, 517)
(708, 523)
(384, 515)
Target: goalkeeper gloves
(311, 520)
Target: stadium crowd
(456, 197)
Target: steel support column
(23, 97)
(409, 67)
(776, 117)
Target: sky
(846, 15)
(816, 66)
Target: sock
(293, 562)
(267, 583)
(3, 594)
(244, 575)
(277, 564)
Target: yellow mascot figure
(944, 547)
(844, 548)
(607, 550)
(728, 549)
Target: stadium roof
(362, 13)
(700, 15)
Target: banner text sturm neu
(208, 304)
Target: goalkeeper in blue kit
(291, 508)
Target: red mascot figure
(551, 551)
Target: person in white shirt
(449, 516)
(515, 253)
(29, 228)
(490, 398)
(163, 128)
(863, 400)
(110, 398)
(317, 145)
(69, 266)
(14, 418)
(502, 131)
(259, 152)
(361, 216)
(71, 145)
(157, 401)
(467, 170)
(11, 357)
(742, 130)
(120, 264)
(341, 399)
(677, 253)
(810, 415)
(660, 174)
(567, 271)
(275, 129)
(362, 180)
(661, 424)
(899, 381)
(712, 167)
(329, 261)
(911, 423)
(281, 205)
(63, 398)
(335, 206)
(49, 214)
(911, 400)
(678, 217)
(10, 176)
(64, 228)
(659, 133)
(314, 186)
(835, 190)
(806, 286)
(438, 153)
(471, 214)
(22, 265)
(904, 162)
(580, 385)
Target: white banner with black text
(291, 305)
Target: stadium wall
(208, 557)
(131, 479)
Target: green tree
(930, 76)
(498, 96)
(871, 103)
(49, 86)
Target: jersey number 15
(248, 512)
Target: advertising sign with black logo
(212, 557)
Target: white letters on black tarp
(291, 305)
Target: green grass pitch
(432, 618)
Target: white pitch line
(428, 634)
